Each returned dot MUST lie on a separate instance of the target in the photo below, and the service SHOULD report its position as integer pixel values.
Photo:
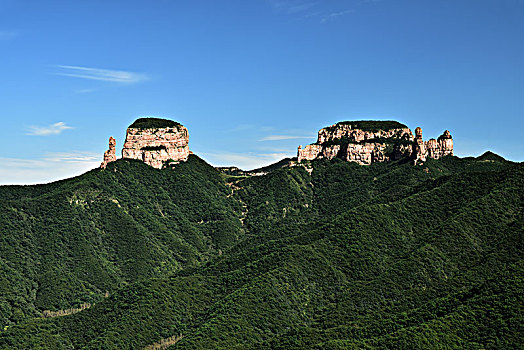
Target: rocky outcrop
(156, 142)
(432, 148)
(367, 142)
(359, 131)
(310, 152)
(364, 142)
(110, 154)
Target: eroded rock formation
(367, 142)
(156, 141)
(110, 154)
(363, 142)
(432, 148)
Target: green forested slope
(69, 242)
(347, 257)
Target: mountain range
(319, 253)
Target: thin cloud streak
(84, 91)
(335, 15)
(53, 129)
(283, 137)
(323, 11)
(293, 6)
(51, 167)
(117, 76)
(73, 157)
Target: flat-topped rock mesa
(370, 141)
(154, 141)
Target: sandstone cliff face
(353, 133)
(156, 145)
(363, 142)
(110, 154)
(367, 142)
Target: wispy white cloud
(73, 157)
(117, 76)
(334, 15)
(6, 35)
(293, 6)
(53, 129)
(246, 161)
(283, 137)
(84, 91)
(323, 11)
(50, 167)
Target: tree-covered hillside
(329, 255)
(70, 242)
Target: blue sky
(252, 79)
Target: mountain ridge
(322, 254)
(163, 142)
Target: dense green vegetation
(275, 166)
(371, 125)
(148, 123)
(69, 242)
(341, 257)
(234, 171)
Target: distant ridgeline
(155, 141)
(369, 141)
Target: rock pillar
(110, 154)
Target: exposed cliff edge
(369, 141)
(155, 141)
